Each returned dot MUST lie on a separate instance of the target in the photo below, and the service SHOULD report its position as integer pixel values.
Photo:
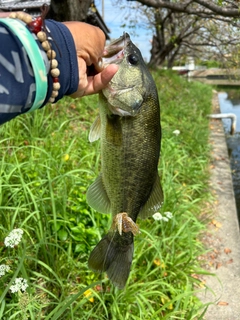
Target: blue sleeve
(17, 83)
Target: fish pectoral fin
(97, 197)
(154, 201)
(95, 130)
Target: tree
(69, 10)
(77, 10)
(171, 30)
(201, 8)
(179, 35)
(190, 27)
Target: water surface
(230, 103)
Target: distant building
(190, 64)
(33, 8)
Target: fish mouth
(114, 52)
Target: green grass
(46, 166)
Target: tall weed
(46, 166)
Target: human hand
(89, 42)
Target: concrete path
(223, 236)
(216, 76)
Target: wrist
(67, 62)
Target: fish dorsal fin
(154, 201)
(97, 197)
(95, 130)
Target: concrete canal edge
(222, 237)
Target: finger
(100, 81)
(95, 83)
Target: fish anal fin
(95, 130)
(97, 197)
(154, 201)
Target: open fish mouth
(114, 52)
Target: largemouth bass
(128, 185)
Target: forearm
(17, 81)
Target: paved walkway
(223, 235)
(216, 76)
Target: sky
(114, 18)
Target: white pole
(232, 116)
(103, 9)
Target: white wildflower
(3, 269)
(157, 216)
(168, 214)
(176, 132)
(14, 238)
(19, 284)
(165, 217)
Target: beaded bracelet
(36, 26)
(18, 28)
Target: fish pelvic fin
(113, 258)
(154, 201)
(97, 197)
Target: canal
(229, 101)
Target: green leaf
(62, 234)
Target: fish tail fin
(114, 258)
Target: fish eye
(133, 59)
